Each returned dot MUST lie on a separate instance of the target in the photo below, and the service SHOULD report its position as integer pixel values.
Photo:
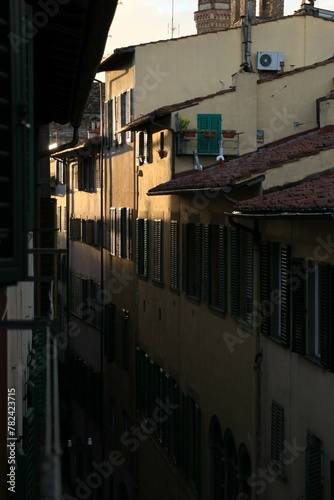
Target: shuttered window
(124, 233)
(277, 437)
(174, 255)
(313, 468)
(88, 231)
(215, 266)
(192, 259)
(16, 144)
(75, 229)
(208, 145)
(158, 250)
(113, 231)
(142, 235)
(144, 152)
(275, 291)
(299, 306)
(241, 268)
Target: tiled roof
(283, 74)
(251, 164)
(309, 196)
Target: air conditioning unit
(269, 61)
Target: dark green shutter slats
(265, 288)
(277, 434)
(313, 472)
(157, 250)
(109, 331)
(235, 271)
(208, 122)
(222, 295)
(197, 448)
(324, 313)
(207, 264)
(142, 242)
(174, 255)
(185, 258)
(285, 295)
(198, 261)
(185, 436)
(298, 307)
(249, 270)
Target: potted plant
(229, 133)
(183, 127)
(209, 133)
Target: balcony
(206, 143)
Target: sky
(140, 21)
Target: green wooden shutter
(128, 213)
(249, 271)
(285, 295)
(207, 263)
(277, 435)
(109, 331)
(174, 254)
(313, 467)
(325, 312)
(185, 436)
(185, 259)
(198, 262)
(146, 248)
(120, 232)
(235, 271)
(222, 296)
(197, 448)
(298, 307)
(208, 122)
(265, 289)
(142, 255)
(113, 231)
(157, 250)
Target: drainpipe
(249, 34)
(163, 127)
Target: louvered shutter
(98, 164)
(235, 271)
(120, 232)
(128, 112)
(128, 213)
(207, 263)
(185, 436)
(175, 437)
(285, 295)
(277, 435)
(119, 119)
(157, 250)
(298, 307)
(139, 245)
(212, 123)
(313, 474)
(197, 448)
(198, 261)
(265, 289)
(185, 259)
(106, 125)
(325, 312)
(174, 255)
(109, 331)
(113, 231)
(249, 271)
(222, 285)
(145, 247)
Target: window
(241, 267)
(59, 218)
(143, 148)
(113, 231)
(125, 340)
(209, 145)
(275, 281)
(75, 229)
(142, 233)
(174, 255)
(191, 259)
(277, 437)
(157, 250)
(191, 431)
(215, 266)
(88, 231)
(313, 470)
(124, 239)
(60, 172)
(86, 172)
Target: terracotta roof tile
(312, 195)
(250, 164)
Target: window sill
(157, 283)
(244, 325)
(174, 290)
(313, 359)
(217, 310)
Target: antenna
(173, 27)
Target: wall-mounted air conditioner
(269, 61)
